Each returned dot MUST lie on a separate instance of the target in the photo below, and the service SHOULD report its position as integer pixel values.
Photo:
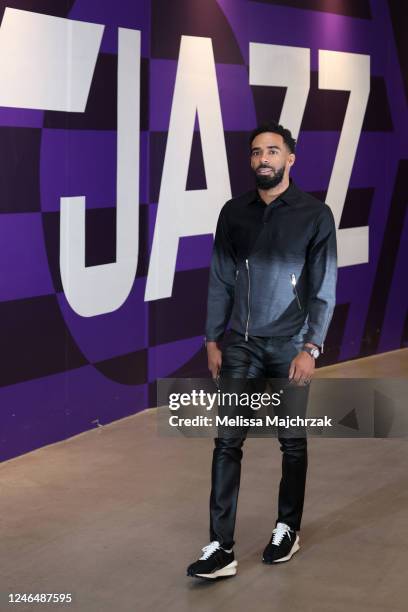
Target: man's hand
(302, 368)
(214, 358)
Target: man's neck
(269, 195)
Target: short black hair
(275, 128)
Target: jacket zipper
(293, 281)
(249, 309)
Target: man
(273, 276)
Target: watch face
(315, 353)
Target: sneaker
(282, 545)
(214, 563)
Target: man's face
(270, 159)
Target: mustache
(264, 166)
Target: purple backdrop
(61, 373)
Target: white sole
(292, 551)
(228, 570)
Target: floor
(115, 515)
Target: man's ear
(291, 159)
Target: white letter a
(181, 212)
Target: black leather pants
(258, 358)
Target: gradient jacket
(273, 268)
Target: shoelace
(279, 533)
(209, 550)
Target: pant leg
(293, 482)
(240, 361)
(225, 482)
(294, 449)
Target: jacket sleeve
(322, 278)
(221, 282)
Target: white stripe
(46, 62)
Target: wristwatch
(312, 350)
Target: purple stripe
(397, 306)
(117, 333)
(237, 12)
(134, 15)
(355, 283)
(392, 70)
(21, 117)
(280, 25)
(350, 283)
(237, 104)
(83, 163)
(360, 299)
(312, 29)
(162, 79)
(194, 252)
(22, 246)
(398, 297)
(316, 151)
(165, 359)
(53, 408)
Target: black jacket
(273, 268)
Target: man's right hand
(214, 356)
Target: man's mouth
(264, 171)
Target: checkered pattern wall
(62, 373)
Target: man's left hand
(302, 368)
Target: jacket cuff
(212, 339)
(314, 339)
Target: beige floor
(115, 515)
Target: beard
(268, 182)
